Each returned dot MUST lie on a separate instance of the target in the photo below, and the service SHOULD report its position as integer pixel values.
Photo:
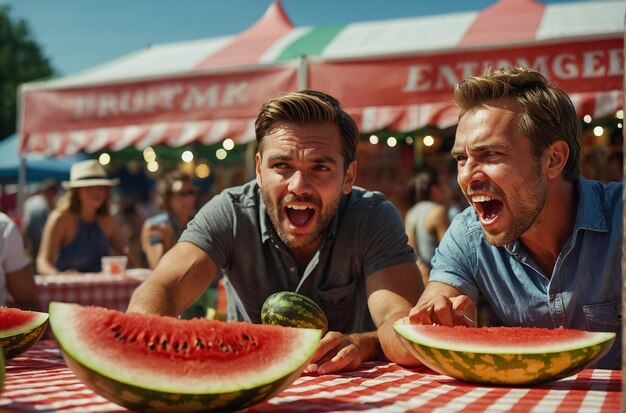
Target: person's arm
(391, 294)
(155, 250)
(438, 221)
(180, 277)
(409, 228)
(19, 276)
(445, 305)
(22, 287)
(51, 240)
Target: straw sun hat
(88, 173)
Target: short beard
(277, 215)
(524, 214)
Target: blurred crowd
(70, 226)
(146, 229)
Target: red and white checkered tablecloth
(39, 381)
(103, 290)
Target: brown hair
(308, 107)
(548, 114)
(70, 201)
(421, 184)
(164, 191)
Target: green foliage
(21, 60)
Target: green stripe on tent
(311, 44)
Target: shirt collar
(590, 213)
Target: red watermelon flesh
(504, 355)
(197, 341)
(20, 329)
(153, 363)
(14, 319)
(505, 339)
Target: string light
(598, 131)
(187, 156)
(228, 144)
(587, 118)
(104, 158)
(152, 166)
(374, 140)
(428, 140)
(221, 154)
(392, 141)
(149, 155)
(203, 171)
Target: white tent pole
(303, 72)
(21, 185)
(21, 173)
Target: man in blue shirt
(540, 243)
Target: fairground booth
(192, 104)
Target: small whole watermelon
(289, 309)
(20, 329)
(509, 356)
(146, 362)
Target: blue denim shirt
(584, 290)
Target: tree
(21, 60)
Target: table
(38, 380)
(111, 291)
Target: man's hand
(447, 311)
(342, 352)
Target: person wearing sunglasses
(177, 200)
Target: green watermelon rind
(181, 398)
(289, 309)
(2, 370)
(17, 340)
(528, 366)
(148, 400)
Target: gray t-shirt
(366, 235)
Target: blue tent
(38, 167)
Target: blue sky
(79, 34)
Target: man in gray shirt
(300, 226)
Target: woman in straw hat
(81, 230)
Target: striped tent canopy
(390, 74)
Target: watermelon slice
(504, 355)
(20, 329)
(152, 363)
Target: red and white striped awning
(389, 74)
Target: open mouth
(488, 208)
(299, 215)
